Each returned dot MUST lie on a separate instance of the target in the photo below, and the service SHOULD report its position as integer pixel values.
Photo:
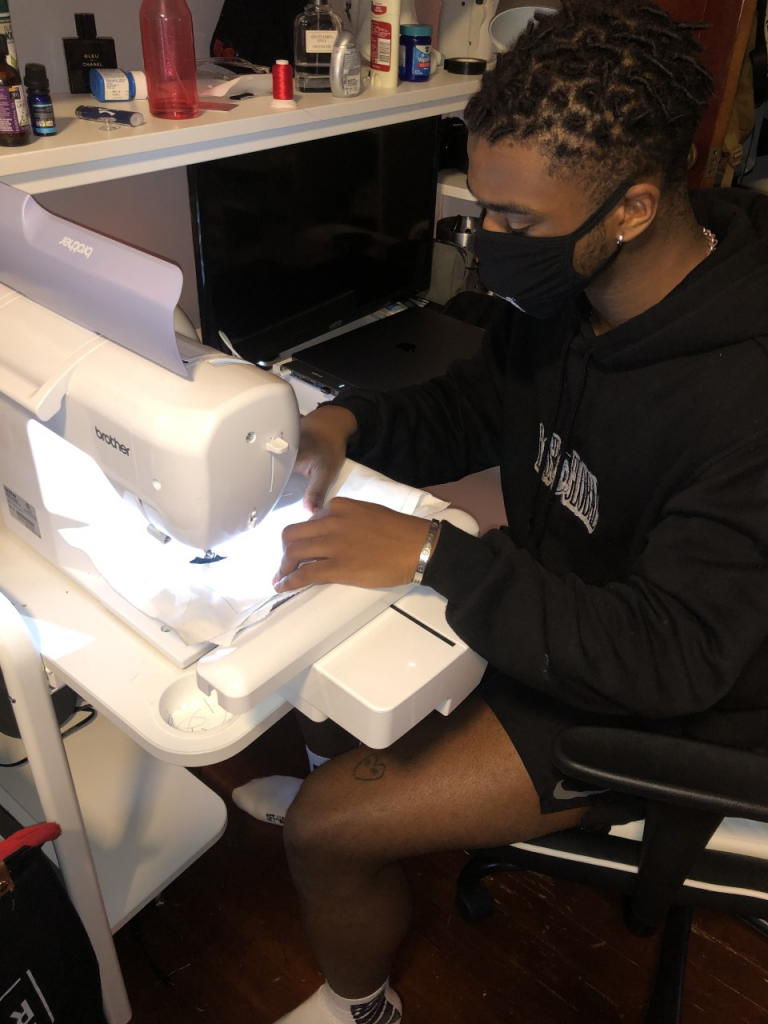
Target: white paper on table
(213, 601)
(233, 85)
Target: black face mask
(539, 271)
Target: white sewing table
(145, 820)
(145, 817)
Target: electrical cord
(237, 62)
(91, 714)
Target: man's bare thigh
(449, 783)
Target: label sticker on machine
(21, 510)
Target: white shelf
(81, 153)
(146, 821)
(454, 184)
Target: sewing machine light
(170, 582)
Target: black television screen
(296, 241)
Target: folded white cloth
(213, 601)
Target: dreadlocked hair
(599, 83)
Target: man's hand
(322, 450)
(351, 542)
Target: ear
(637, 210)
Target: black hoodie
(639, 585)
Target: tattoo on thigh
(370, 769)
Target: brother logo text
(74, 246)
(112, 441)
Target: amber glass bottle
(15, 126)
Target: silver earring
(620, 241)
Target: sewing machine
(197, 447)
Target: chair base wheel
(474, 902)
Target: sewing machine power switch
(278, 445)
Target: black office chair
(702, 844)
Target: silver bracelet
(426, 551)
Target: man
(624, 397)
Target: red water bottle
(169, 58)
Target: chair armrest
(667, 769)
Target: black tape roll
(465, 65)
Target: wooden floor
(224, 944)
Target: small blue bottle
(415, 52)
(39, 97)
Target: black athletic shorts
(532, 720)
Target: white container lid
(140, 84)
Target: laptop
(393, 352)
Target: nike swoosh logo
(561, 793)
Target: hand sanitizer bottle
(346, 78)
(314, 33)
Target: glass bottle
(85, 51)
(6, 29)
(39, 99)
(15, 127)
(167, 41)
(314, 33)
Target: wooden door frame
(710, 136)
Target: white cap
(139, 84)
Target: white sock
(325, 1007)
(315, 760)
(268, 799)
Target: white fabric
(213, 601)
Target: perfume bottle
(314, 33)
(87, 51)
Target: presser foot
(209, 556)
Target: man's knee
(320, 823)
